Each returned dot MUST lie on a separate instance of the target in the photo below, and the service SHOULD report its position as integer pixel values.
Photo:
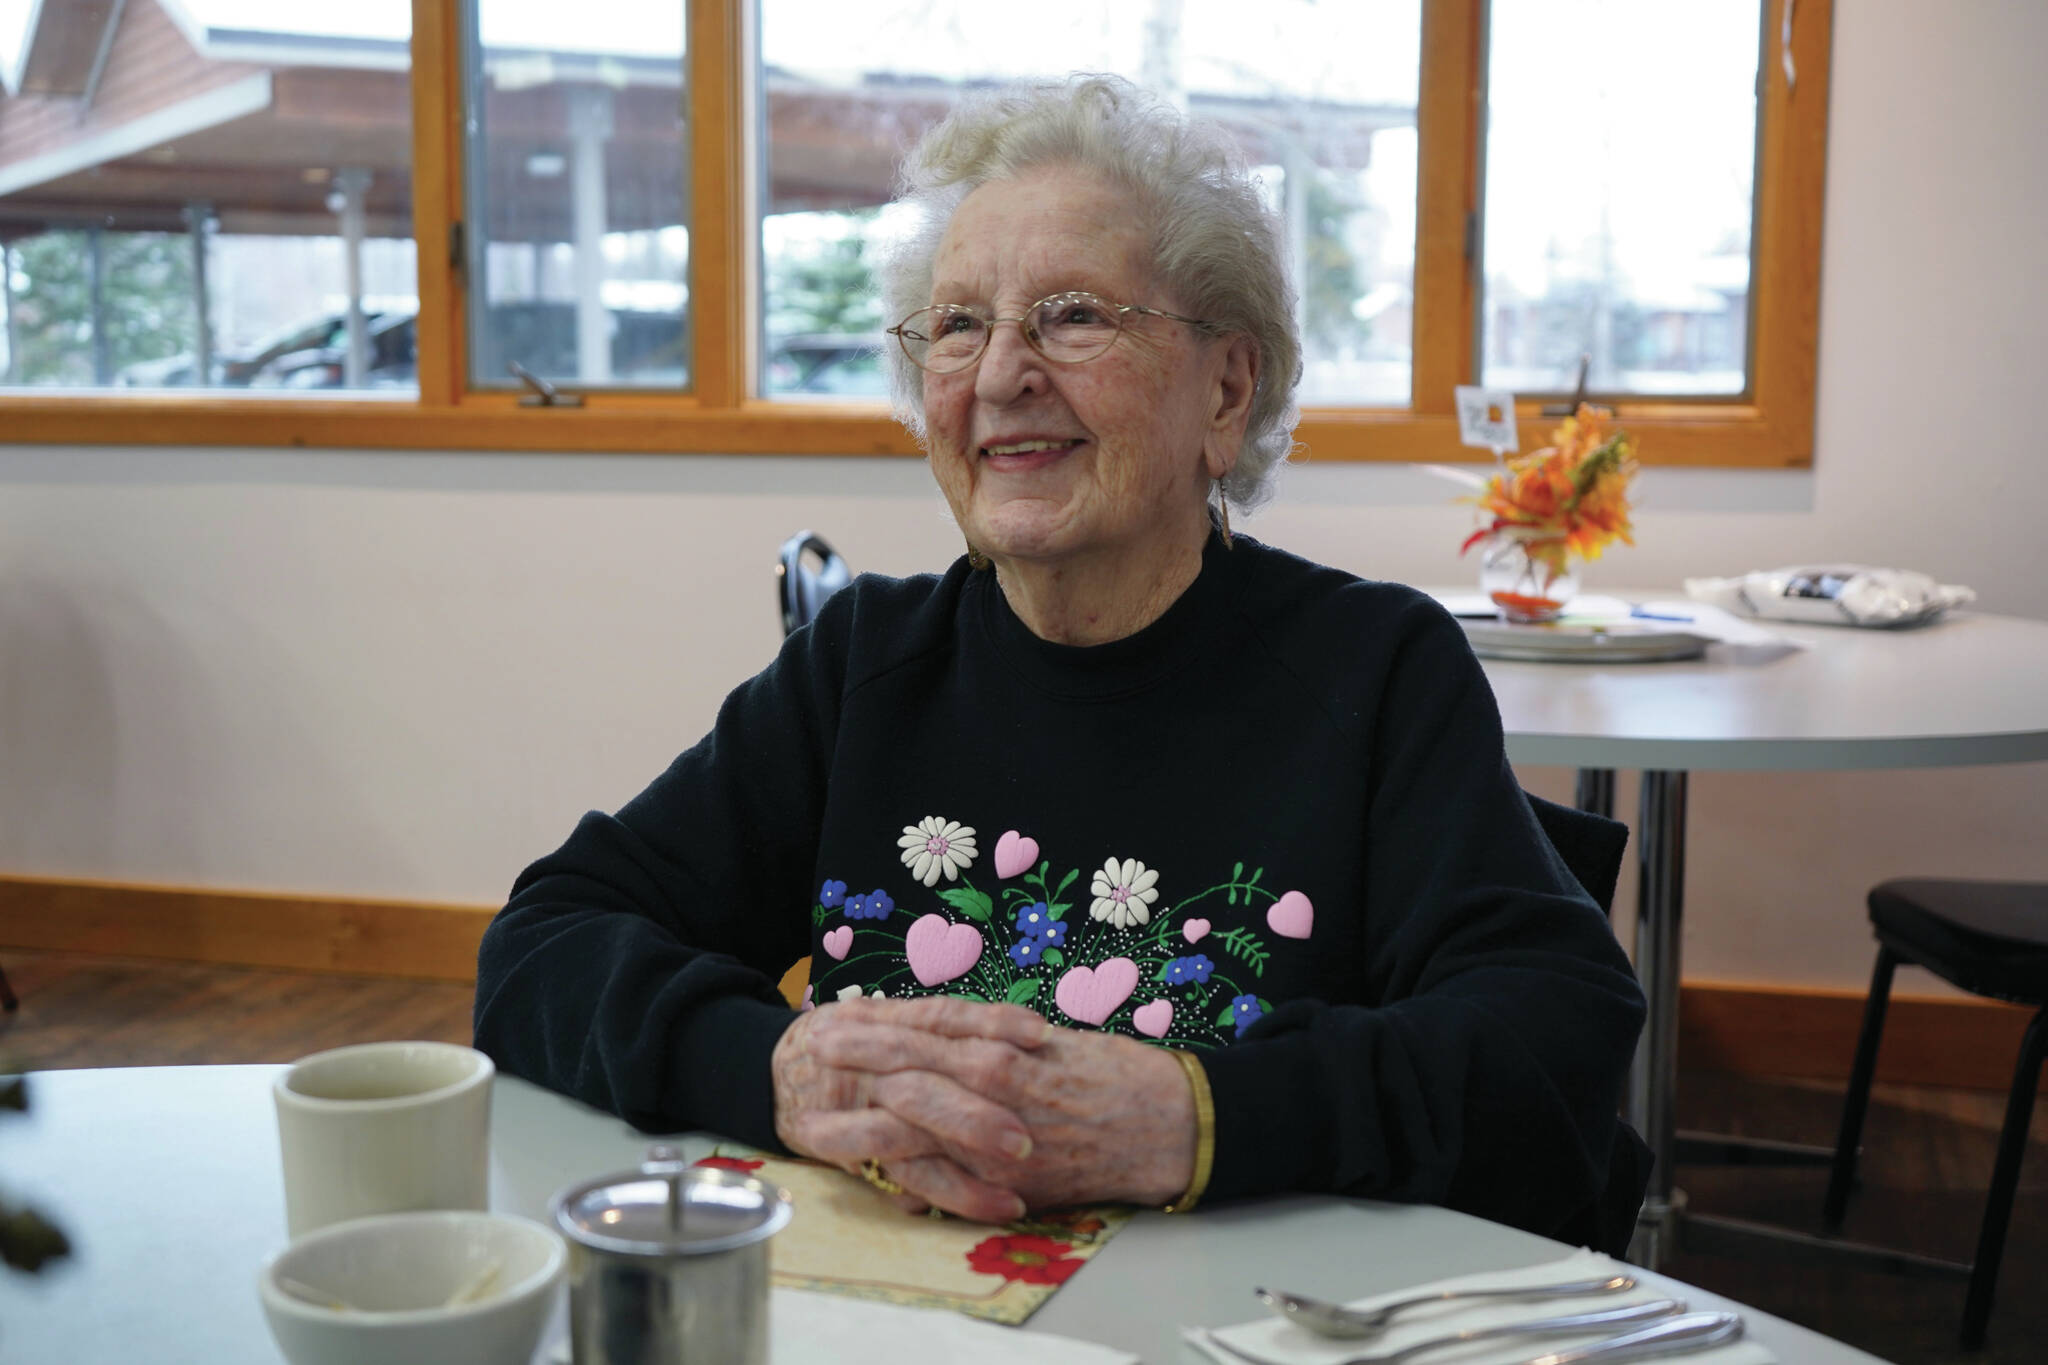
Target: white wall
(405, 674)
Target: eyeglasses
(1067, 329)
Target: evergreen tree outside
(817, 284)
(1330, 274)
(147, 310)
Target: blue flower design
(1055, 934)
(874, 905)
(1025, 952)
(1195, 968)
(831, 894)
(1033, 919)
(1246, 1010)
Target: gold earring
(976, 559)
(1223, 509)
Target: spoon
(1354, 1324)
(477, 1286)
(320, 1298)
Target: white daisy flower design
(936, 846)
(853, 993)
(1124, 892)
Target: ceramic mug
(382, 1128)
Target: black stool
(1991, 939)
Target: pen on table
(1644, 614)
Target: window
(1611, 238)
(446, 223)
(1320, 98)
(576, 154)
(183, 205)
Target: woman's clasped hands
(983, 1110)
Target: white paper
(813, 1327)
(1486, 418)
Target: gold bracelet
(1205, 1133)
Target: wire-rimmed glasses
(1069, 328)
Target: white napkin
(1283, 1341)
(812, 1327)
(1736, 641)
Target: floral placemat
(846, 1237)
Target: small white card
(1486, 417)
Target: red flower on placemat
(1034, 1260)
(730, 1163)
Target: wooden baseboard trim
(300, 933)
(1723, 1026)
(1804, 1032)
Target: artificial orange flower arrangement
(1569, 498)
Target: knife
(1673, 1336)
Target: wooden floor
(1929, 1151)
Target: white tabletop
(167, 1180)
(1968, 688)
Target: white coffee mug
(382, 1128)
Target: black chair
(1593, 847)
(801, 589)
(1991, 939)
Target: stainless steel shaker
(668, 1264)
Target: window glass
(577, 157)
(1620, 178)
(216, 194)
(1320, 96)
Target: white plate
(1614, 642)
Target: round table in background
(1969, 688)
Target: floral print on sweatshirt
(1143, 960)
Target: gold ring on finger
(872, 1172)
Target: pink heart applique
(1195, 930)
(1015, 853)
(839, 942)
(939, 950)
(1291, 916)
(1092, 994)
(1154, 1019)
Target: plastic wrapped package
(1832, 594)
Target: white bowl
(396, 1272)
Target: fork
(1579, 1324)
(1333, 1320)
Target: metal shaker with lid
(668, 1264)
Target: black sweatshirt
(1277, 825)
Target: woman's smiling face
(1044, 463)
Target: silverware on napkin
(1335, 1320)
(1670, 1337)
(1578, 1324)
(1673, 1336)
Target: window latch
(544, 395)
(1578, 396)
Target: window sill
(1704, 435)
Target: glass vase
(1525, 588)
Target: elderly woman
(1133, 860)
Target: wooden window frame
(1769, 426)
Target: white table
(1967, 689)
(167, 1180)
